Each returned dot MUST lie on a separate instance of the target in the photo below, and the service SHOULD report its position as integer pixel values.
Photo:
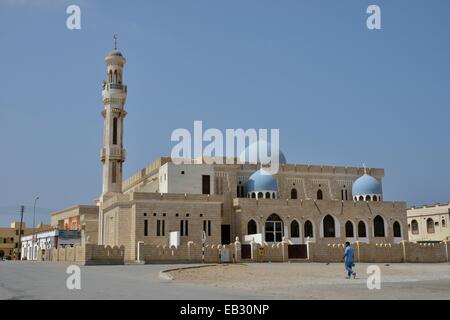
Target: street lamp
(34, 219)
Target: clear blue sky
(339, 93)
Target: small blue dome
(261, 180)
(366, 185)
(251, 153)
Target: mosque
(219, 202)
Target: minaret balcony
(114, 86)
(113, 153)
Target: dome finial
(365, 168)
(115, 41)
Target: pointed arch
(397, 230)
(308, 229)
(349, 232)
(329, 227)
(378, 227)
(295, 229)
(362, 230)
(293, 194)
(252, 227)
(319, 194)
(274, 228)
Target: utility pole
(22, 209)
(32, 237)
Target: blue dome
(251, 153)
(261, 180)
(366, 185)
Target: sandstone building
(300, 203)
(429, 223)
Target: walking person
(348, 260)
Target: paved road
(41, 280)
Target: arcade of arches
(274, 229)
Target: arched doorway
(274, 229)
(349, 230)
(378, 227)
(329, 230)
(251, 227)
(2, 254)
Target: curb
(165, 274)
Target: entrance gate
(297, 251)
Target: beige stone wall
(172, 209)
(381, 252)
(315, 211)
(188, 252)
(88, 254)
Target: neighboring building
(429, 223)
(46, 240)
(83, 218)
(68, 227)
(9, 238)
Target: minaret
(112, 154)
(114, 95)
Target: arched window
(378, 227)
(319, 195)
(260, 195)
(115, 76)
(362, 230)
(349, 229)
(274, 195)
(251, 227)
(375, 198)
(397, 230)
(267, 195)
(361, 198)
(110, 76)
(309, 231)
(328, 227)
(294, 193)
(367, 198)
(414, 227)
(430, 225)
(113, 172)
(253, 195)
(443, 223)
(295, 229)
(274, 229)
(115, 131)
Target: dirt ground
(325, 281)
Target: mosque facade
(219, 202)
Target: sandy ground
(325, 281)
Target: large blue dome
(366, 185)
(251, 154)
(261, 180)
